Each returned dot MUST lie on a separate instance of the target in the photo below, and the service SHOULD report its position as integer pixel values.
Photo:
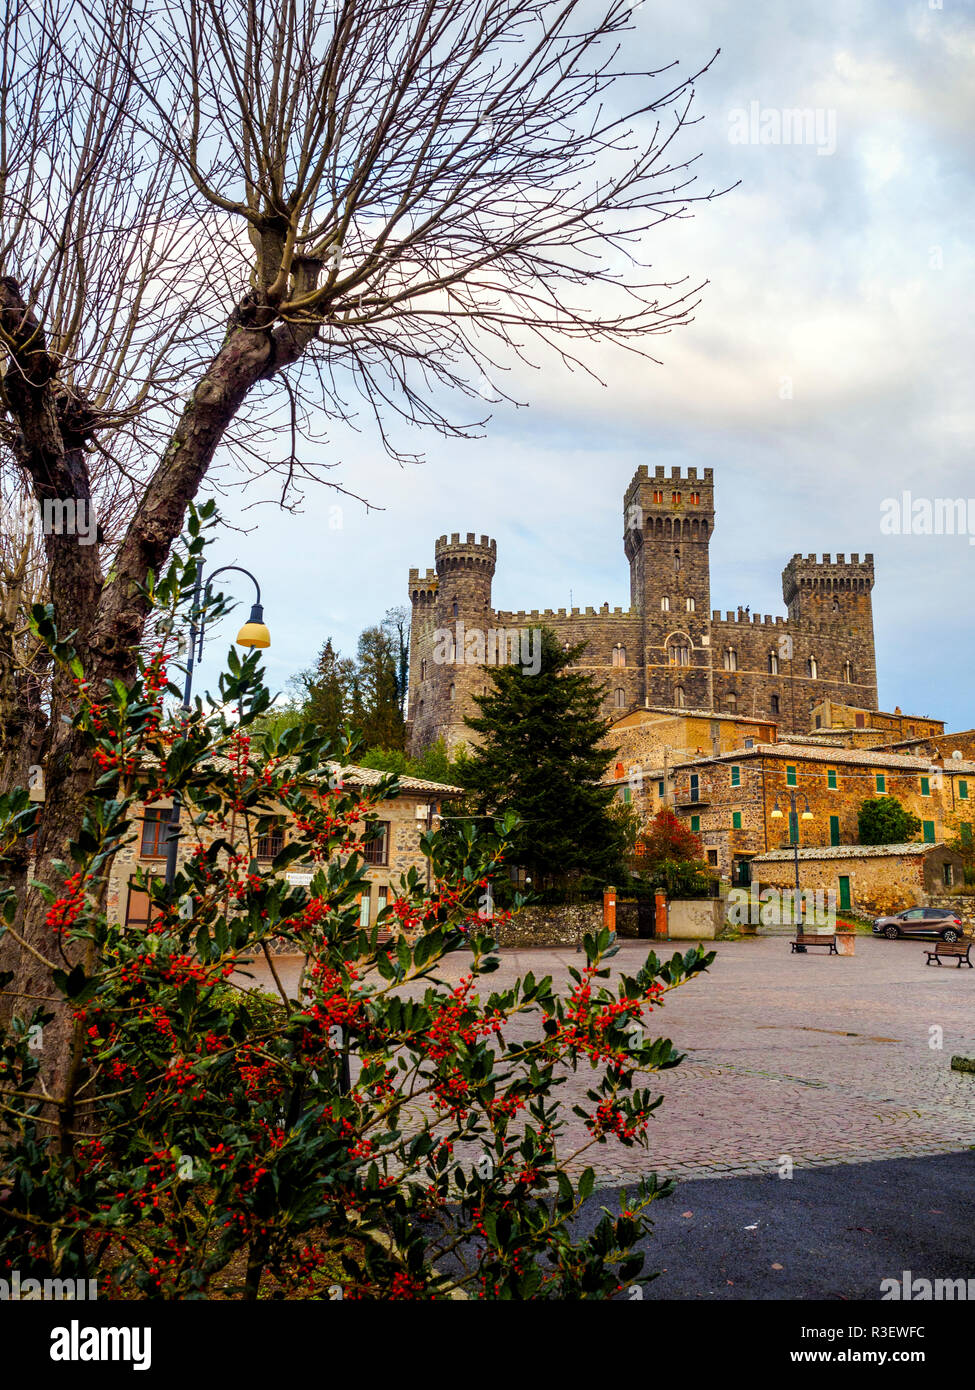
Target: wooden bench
(803, 942)
(958, 949)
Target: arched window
(665, 604)
(773, 663)
(619, 655)
(731, 703)
(423, 669)
(620, 697)
(775, 704)
(812, 670)
(691, 605)
(730, 659)
(848, 674)
(679, 654)
(679, 697)
(455, 608)
(453, 690)
(677, 562)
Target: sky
(826, 372)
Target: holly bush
(388, 1128)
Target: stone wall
(561, 925)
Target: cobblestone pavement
(819, 1059)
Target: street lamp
(794, 817)
(254, 633)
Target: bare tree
(221, 224)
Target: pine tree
(328, 690)
(542, 755)
(381, 718)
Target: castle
(668, 649)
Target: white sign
(299, 880)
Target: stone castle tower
(668, 649)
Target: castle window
(455, 608)
(848, 672)
(665, 604)
(679, 697)
(620, 697)
(775, 704)
(453, 690)
(677, 562)
(423, 669)
(695, 497)
(730, 659)
(773, 663)
(679, 655)
(675, 499)
(731, 703)
(812, 670)
(658, 497)
(690, 605)
(619, 655)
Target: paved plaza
(814, 1059)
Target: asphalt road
(826, 1233)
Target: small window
(928, 832)
(860, 721)
(812, 669)
(749, 743)
(946, 869)
(730, 659)
(665, 604)
(270, 845)
(790, 777)
(365, 904)
(455, 608)
(453, 691)
(848, 672)
(731, 703)
(376, 849)
(620, 697)
(154, 825)
(713, 857)
(423, 669)
(775, 704)
(963, 791)
(925, 786)
(736, 820)
(831, 780)
(819, 721)
(690, 605)
(619, 655)
(138, 909)
(679, 696)
(660, 788)
(695, 825)
(658, 497)
(695, 498)
(675, 499)
(736, 776)
(881, 782)
(773, 663)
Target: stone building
(729, 799)
(668, 648)
(872, 879)
(404, 818)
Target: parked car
(920, 921)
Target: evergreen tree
(882, 820)
(542, 755)
(381, 717)
(328, 691)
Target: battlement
(540, 614)
(809, 573)
(676, 475)
(747, 620)
(471, 553)
(422, 586)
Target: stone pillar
(845, 942)
(609, 908)
(661, 930)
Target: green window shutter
(966, 832)
(736, 820)
(834, 830)
(627, 796)
(660, 788)
(881, 782)
(831, 778)
(925, 786)
(963, 790)
(845, 903)
(790, 777)
(695, 824)
(928, 832)
(736, 776)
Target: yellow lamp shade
(254, 633)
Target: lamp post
(794, 817)
(254, 633)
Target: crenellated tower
(668, 520)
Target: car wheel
(949, 934)
(891, 932)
